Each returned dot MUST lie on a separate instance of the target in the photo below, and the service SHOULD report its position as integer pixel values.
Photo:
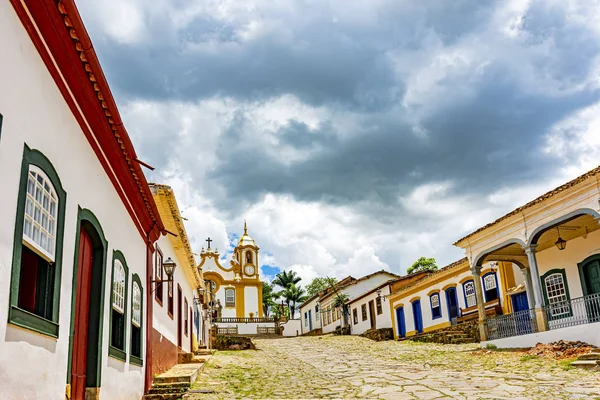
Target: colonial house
(369, 310)
(78, 220)
(555, 242)
(332, 317)
(447, 297)
(177, 324)
(309, 310)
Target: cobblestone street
(353, 367)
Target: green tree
(318, 285)
(286, 278)
(269, 297)
(293, 294)
(423, 264)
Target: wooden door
(191, 331)
(179, 316)
(372, 314)
(81, 317)
(400, 322)
(452, 302)
(418, 317)
(592, 277)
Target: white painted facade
(352, 290)
(311, 317)
(586, 333)
(293, 327)
(32, 365)
(382, 320)
(251, 305)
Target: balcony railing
(579, 311)
(515, 324)
(233, 320)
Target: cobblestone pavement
(353, 367)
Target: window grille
(489, 282)
(119, 287)
(41, 209)
(136, 316)
(470, 294)
(557, 294)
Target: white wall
(314, 316)
(382, 320)
(589, 333)
(353, 290)
(246, 328)
(162, 322)
(577, 250)
(31, 365)
(251, 301)
(292, 328)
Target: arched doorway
(87, 307)
(418, 317)
(452, 302)
(589, 273)
(400, 322)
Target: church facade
(236, 291)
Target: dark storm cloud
(490, 139)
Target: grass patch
(529, 358)
(565, 365)
(491, 346)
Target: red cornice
(58, 33)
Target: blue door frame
(309, 321)
(520, 302)
(400, 323)
(452, 303)
(418, 317)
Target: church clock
(249, 270)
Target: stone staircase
(174, 383)
(457, 334)
(588, 361)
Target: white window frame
(556, 291)
(118, 297)
(227, 302)
(136, 307)
(489, 282)
(470, 295)
(40, 214)
(435, 296)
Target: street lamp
(169, 266)
(560, 243)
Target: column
(476, 271)
(528, 284)
(537, 289)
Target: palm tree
(293, 294)
(284, 279)
(269, 296)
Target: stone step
(180, 373)
(587, 364)
(204, 352)
(589, 356)
(170, 388)
(166, 396)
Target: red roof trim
(59, 35)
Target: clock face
(249, 270)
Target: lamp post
(169, 266)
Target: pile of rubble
(561, 349)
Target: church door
(82, 311)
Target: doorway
(400, 322)
(452, 302)
(418, 318)
(524, 320)
(372, 314)
(309, 320)
(590, 280)
(87, 308)
(520, 302)
(179, 316)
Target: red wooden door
(82, 311)
(190, 331)
(179, 316)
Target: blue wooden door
(452, 302)
(418, 317)
(400, 323)
(520, 302)
(309, 321)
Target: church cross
(209, 240)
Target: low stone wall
(233, 343)
(379, 335)
(470, 329)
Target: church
(236, 291)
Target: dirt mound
(561, 349)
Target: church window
(379, 306)
(229, 297)
(470, 297)
(186, 318)
(37, 246)
(158, 275)
(249, 257)
(490, 287)
(136, 321)
(119, 306)
(363, 310)
(355, 316)
(436, 310)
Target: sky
(353, 136)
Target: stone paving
(354, 367)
